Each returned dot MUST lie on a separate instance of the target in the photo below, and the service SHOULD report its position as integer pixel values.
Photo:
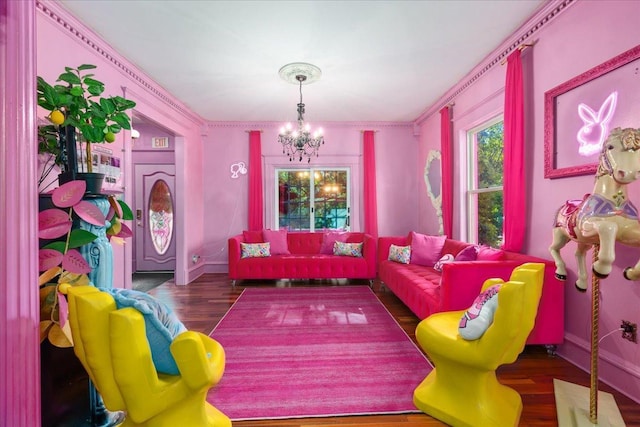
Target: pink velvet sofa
(425, 290)
(305, 260)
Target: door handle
(139, 217)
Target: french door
(313, 199)
(154, 232)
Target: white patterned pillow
(401, 254)
(347, 249)
(251, 250)
(444, 259)
(477, 319)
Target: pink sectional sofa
(304, 260)
(425, 290)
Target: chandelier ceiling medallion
(300, 142)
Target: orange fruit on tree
(109, 136)
(56, 117)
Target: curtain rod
(520, 48)
(257, 130)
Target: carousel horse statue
(607, 215)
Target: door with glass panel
(154, 212)
(313, 199)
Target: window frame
(471, 190)
(313, 191)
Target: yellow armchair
(113, 348)
(463, 389)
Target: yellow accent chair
(113, 348)
(463, 389)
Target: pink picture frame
(579, 113)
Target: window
(485, 154)
(313, 199)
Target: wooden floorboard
(202, 303)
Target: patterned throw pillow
(251, 250)
(330, 238)
(477, 319)
(348, 249)
(445, 259)
(401, 254)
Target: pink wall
(586, 34)
(55, 27)
(226, 200)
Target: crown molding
(73, 27)
(538, 20)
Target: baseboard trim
(612, 370)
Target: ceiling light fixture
(300, 142)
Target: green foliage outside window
(490, 169)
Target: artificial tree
(76, 106)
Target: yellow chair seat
(113, 348)
(463, 389)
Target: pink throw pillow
(252, 236)
(487, 253)
(329, 239)
(426, 250)
(278, 241)
(470, 253)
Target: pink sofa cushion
(251, 236)
(470, 253)
(278, 241)
(330, 238)
(486, 253)
(426, 250)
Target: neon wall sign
(595, 127)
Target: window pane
(330, 201)
(490, 149)
(293, 200)
(325, 190)
(160, 218)
(490, 218)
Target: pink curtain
(514, 185)
(255, 182)
(370, 200)
(446, 156)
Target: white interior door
(155, 218)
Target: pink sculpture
(607, 215)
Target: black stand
(100, 417)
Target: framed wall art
(579, 114)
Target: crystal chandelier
(299, 143)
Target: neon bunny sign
(596, 125)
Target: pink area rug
(314, 352)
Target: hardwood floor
(201, 304)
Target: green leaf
(70, 78)
(95, 90)
(127, 214)
(99, 122)
(107, 105)
(92, 82)
(115, 128)
(56, 246)
(86, 67)
(80, 237)
(76, 91)
(122, 119)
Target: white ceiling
(380, 60)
